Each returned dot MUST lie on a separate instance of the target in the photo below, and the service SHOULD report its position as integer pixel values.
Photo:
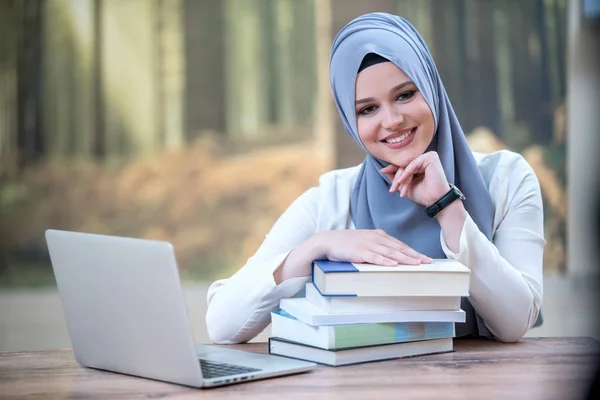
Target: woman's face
(394, 121)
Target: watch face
(459, 193)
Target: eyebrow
(395, 88)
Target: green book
(356, 335)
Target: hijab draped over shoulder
(372, 206)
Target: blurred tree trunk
(504, 60)
(247, 100)
(292, 52)
(555, 52)
(544, 111)
(324, 109)
(170, 73)
(304, 66)
(8, 79)
(447, 19)
(205, 72)
(487, 69)
(560, 39)
(283, 18)
(69, 77)
(57, 78)
(419, 13)
(482, 103)
(97, 128)
(29, 81)
(83, 117)
(521, 65)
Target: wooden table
(534, 368)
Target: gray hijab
(372, 206)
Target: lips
(400, 139)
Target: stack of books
(354, 313)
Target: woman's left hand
(423, 180)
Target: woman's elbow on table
(220, 321)
(514, 330)
(510, 336)
(219, 330)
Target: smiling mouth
(401, 138)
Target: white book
(358, 355)
(301, 309)
(443, 277)
(367, 304)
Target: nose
(392, 119)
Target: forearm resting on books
(239, 307)
(298, 263)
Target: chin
(402, 160)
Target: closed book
(368, 304)
(301, 309)
(357, 355)
(287, 327)
(442, 277)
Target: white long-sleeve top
(506, 274)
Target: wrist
(438, 193)
(452, 220)
(452, 216)
(299, 261)
(316, 247)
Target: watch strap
(448, 198)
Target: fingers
(393, 247)
(396, 255)
(413, 168)
(395, 182)
(403, 187)
(409, 251)
(390, 171)
(374, 258)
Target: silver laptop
(126, 313)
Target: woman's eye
(406, 95)
(367, 110)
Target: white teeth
(400, 138)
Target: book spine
(335, 266)
(373, 334)
(331, 295)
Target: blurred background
(199, 121)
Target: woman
(403, 204)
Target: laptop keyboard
(211, 369)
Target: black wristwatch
(453, 194)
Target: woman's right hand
(368, 246)
(359, 246)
